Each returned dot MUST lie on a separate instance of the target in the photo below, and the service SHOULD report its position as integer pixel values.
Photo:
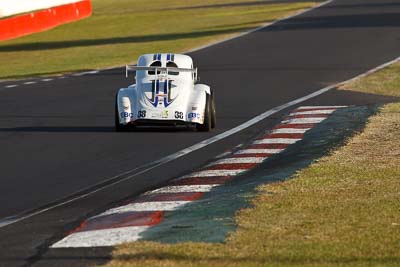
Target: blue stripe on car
(166, 104)
(167, 90)
(155, 104)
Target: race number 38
(178, 115)
(141, 114)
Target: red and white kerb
(126, 223)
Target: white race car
(166, 93)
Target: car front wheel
(206, 126)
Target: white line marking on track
(277, 141)
(93, 72)
(145, 206)
(86, 73)
(313, 112)
(201, 188)
(303, 120)
(259, 151)
(26, 214)
(290, 130)
(31, 82)
(47, 80)
(11, 86)
(101, 238)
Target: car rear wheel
(213, 112)
(118, 126)
(206, 126)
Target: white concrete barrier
(14, 7)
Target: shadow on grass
(117, 40)
(243, 4)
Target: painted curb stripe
(145, 206)
(259, 151)
(232, 166)
(239, 154)
(284, 135)
(290, 130)
(318, 111)
(276, 141)
(101, 238)
(239, 160)
(184, 188)
(125, 219)
(302, 121)
(268, 146)
(200, 180)
(206, 173)
(184, 196)
(300, 116)
(296, 126)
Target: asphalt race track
(57, 137)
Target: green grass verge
(343, 210)
(385, 82)
(121, 30)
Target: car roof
(182, 61)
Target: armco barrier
(42, 20)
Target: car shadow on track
(94, 129)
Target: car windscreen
(172, 65)
(154, 64)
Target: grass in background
(385, 82)
(121, 30)
(343, 210)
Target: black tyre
(206, 126)
(213, 111)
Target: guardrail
(37, 21)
